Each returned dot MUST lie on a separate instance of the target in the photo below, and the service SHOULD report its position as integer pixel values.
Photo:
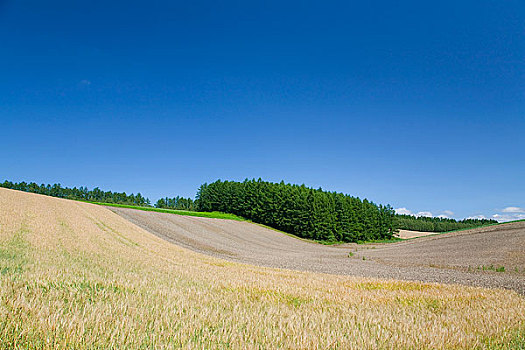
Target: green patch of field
(13, 254)
(202, 214)
(391, 240)
(514, 339)
(491, 267)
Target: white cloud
(513, 210)
(446, 214)
(403, 211)
(480, 216)
(508, 217)
(510, 214)
(507, 214)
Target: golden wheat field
(76, 275)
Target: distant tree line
(300, 210)
(431, 224)
(81, 193)
(177, 203)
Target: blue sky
(416, 104)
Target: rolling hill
(462, 257)
(77, 275)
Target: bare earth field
(456, 257)
(75, 275)
(406, 234)
(486, 248)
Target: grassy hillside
(76, 275)
(202, 214)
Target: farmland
(76, 275)
(457, 257)
(314, 214)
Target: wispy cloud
(479, 217)
(509, 213)
(446, 214)
(501, 215)
(508, 217)
(513, 210)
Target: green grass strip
(202, 214)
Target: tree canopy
(300, 210)
(177, 203)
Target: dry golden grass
(76, 275)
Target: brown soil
(406, 234)
(486, 248)
(445, 258)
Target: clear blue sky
(416, 104)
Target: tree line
(177, 203)
(300, 210)
(81, 193)
(431, 224)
